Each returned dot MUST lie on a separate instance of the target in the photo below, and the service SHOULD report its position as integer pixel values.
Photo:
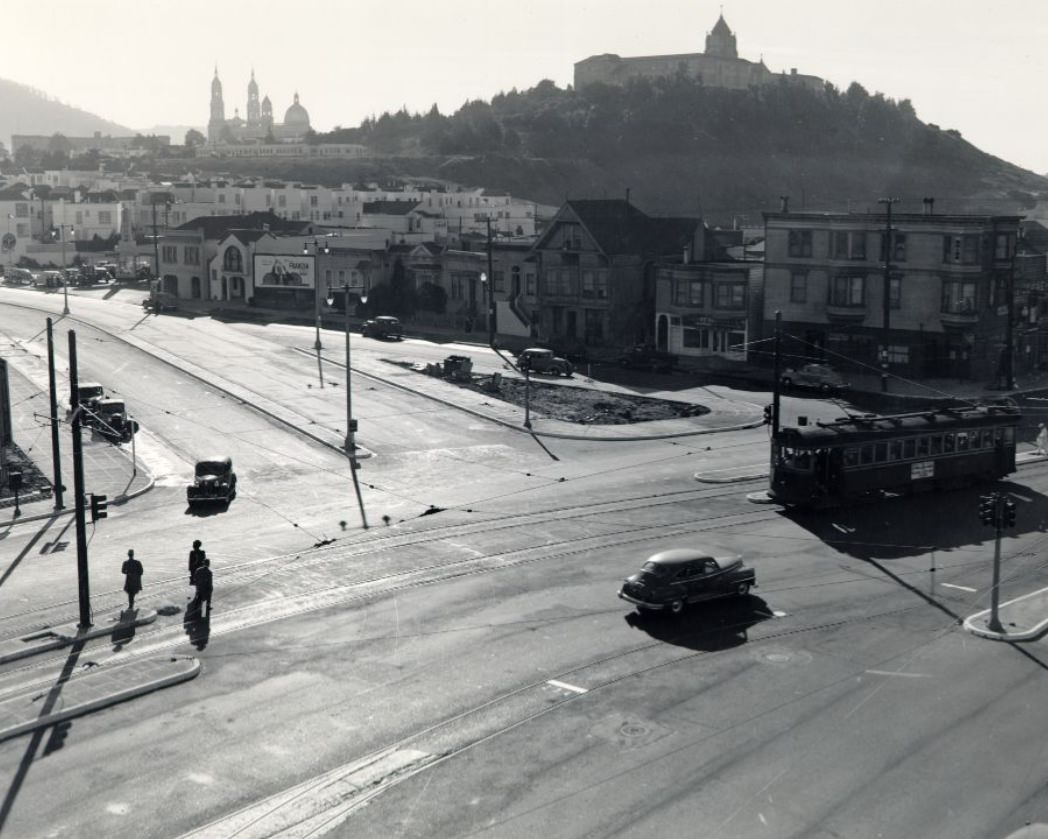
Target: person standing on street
(203, 581)
(196, 559)
(132, 570)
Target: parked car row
(105, 414)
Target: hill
(682, 148)
(24, 110)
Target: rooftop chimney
(929, 205)
(785, 203)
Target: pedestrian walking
(1042, 439)
(132, 570)
(203, 581)
(196, 559)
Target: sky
(144, 63)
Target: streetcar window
(1009, 436)
(895, 450)
(909, 448)
(867, 454)
(851, 457)
(799, 459)
(936, 444)
(949, 443)
(923, 446)
(880, 452)
(987, 438)
(962, 441)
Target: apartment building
(925, 295)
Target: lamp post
(318, 249)
(65, 276)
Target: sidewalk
(108, 469)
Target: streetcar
(827, 464)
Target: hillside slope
(24, 110)
(681, 148)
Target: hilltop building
(718, 66)
(259, 126)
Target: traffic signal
(1008, 513)
(98, 507)
(988, 509)
(767, 414)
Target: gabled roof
(246, 237)
(618, 227)
(16, 192)
(1035, 235)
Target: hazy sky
(964, 64)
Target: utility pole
(491, 291)
(777, 374)
(83, 586)
(53, 388)
(1009, 327)
(156, 258)
(887, 301)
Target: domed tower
(296, 120)
(720, 42)
(218, 111)
(253, 113)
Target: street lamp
(351, 424)
(484, 281)
(65, 275)
(318, 248)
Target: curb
(53, 638)
(972, 623)
(189, 669)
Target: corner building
(943, 314)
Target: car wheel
(676, 607)
(825, 388)
(742, 589)
(787, 382)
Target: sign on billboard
(284, 271)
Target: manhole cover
(777, 658)
(632, 729)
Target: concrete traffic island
(46, 638)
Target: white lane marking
(962, 588)
(896, 673)
(566, 686)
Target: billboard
(285, 271)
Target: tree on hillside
(194, 138)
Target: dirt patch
(581, 405)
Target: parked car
(110, 419)
(538, 360)
(816, 376)
(165, 301)
(50, 279)
(671, 579)
(88, 394)
(383, 326)
(213, 480)
(647, 357)
(18, 276)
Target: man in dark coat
(132, 570)
(196, 559)
(202, 579)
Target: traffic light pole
(995, 593)
(78, 490)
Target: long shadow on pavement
(710, 626)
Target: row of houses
(928, 295)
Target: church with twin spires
(718, 66)
(258, 127)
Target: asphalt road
(471, 672)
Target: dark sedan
(670, 580)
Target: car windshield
(113, 407)
(211, 467)
(89, 391)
